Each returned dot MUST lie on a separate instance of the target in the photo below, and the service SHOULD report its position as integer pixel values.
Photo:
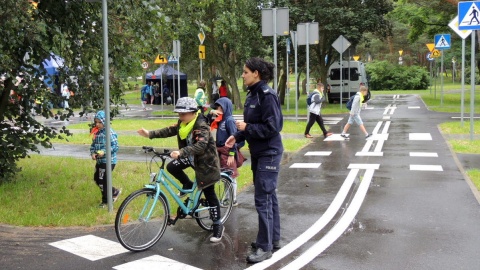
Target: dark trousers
(265, 175)
(176, 167)
(100, 177)
(312, 118)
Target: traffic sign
(462, 33)
(430, 46)
(429, 56)
(201, 37)
(468, 16)
(145, 65)
(161, 59)
(442, 41)
(341, 44)
(201, 52)
(436, 53)
(172, 60)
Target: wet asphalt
(399, 218)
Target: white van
(353, 75)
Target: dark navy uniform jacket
(263, 115)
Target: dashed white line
(430, 168)
(305, 165)
(423, 154)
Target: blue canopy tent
(169, 76)
(51, 66)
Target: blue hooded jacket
(99, 141)
(227, 126)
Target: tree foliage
(31, 32)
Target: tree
(31, 32)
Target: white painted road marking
(436, 168)
(90, 247)
(155, 262)
(419, 137)
(423, 154)
(338, 229)
(305, 165)
(318, 153)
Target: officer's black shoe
(276, 245)
(259, 256)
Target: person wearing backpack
(314, 109)
(358, 99)
(221, 119)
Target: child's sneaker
(344, 135)
(368, 135)
(102, 205)
(218, 230)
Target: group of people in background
(151, 93)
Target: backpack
(349, 102)
(309, 98)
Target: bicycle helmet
(186, 104)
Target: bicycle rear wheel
(141, 220)
(224, 191)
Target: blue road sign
(429, 56)
(468, 16)
(442, 41)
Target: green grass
(41, 196)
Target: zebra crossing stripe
(90, 247)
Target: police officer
(263, 121)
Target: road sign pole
(472, 84)
(441, 81)
(308, 56)
(462, 109)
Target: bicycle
(143, 216)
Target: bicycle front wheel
(141, 220)
(224, 191)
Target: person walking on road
(196, 150)
(355, 113)
(263, 121)
(97, 152)
(314, 111)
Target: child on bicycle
(97, 152)
(197, 150)
(222, 112)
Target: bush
(388, 76)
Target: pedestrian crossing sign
(468, 16)
(442, 41)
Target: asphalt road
(398, 200)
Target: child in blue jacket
(97, 152)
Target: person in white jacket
(314, 112)
(355, 113)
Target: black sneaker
(344, 136)
(276, 245)
(368, 135)
(115, 197)
(218, 230)
(259, 256)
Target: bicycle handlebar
(148, 149)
